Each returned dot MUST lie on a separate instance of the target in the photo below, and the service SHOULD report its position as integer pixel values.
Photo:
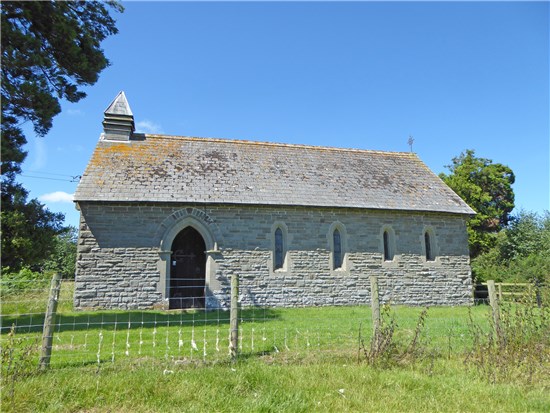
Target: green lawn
(301, 359)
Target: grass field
(295, 360)
(267, 384)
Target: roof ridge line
(287, 145)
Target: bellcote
(118, 121)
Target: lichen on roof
(160, 168)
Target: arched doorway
(188, 270)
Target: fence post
(493, 300)
(375, 305)
(49, 323)
(234, 316)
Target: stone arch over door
(169, 230)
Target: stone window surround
(345, 268)
(391, 244)
(286, 255)
(428, 229)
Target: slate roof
(158, 168)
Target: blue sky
(455, 76)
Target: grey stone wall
(123, 248)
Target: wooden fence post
(375, 305)
(234, 316)
(493, 300)
(49, 323)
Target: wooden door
(188, 270)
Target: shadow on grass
(135, 319)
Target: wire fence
(172, 337)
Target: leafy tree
(489, 265)
(521, 251)
(525, 235)
(28, 232)
(49, 50)
(487, 188)
(63, 259)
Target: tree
(63, 259)
(49, 50)
(28, 234)
(487, 188)
(527, 234)
(521, 252)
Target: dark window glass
(429, 251)
(279, 253)
(337, 252)
(387, 253)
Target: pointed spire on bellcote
(118, 122)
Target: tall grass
(272, 384)
(518, 348)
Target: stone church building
(166, 221)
